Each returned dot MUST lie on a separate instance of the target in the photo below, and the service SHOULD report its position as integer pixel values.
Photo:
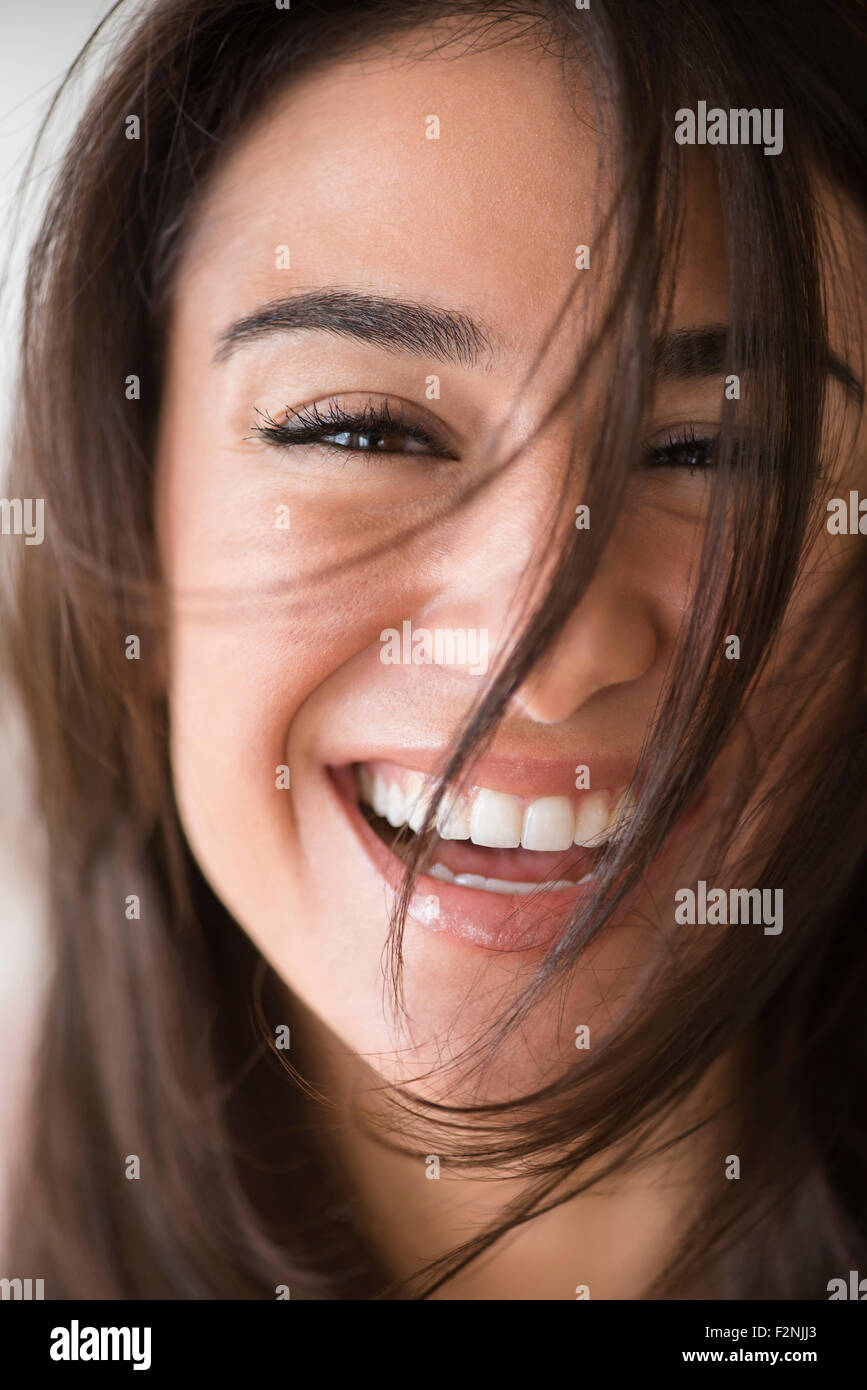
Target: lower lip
(506, 922)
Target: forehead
(486, 218)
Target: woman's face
(288, 562)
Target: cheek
(237, 672)
(659, 540)
(231, 699)
(810, 669)
(261, 617)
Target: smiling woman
(468, 512)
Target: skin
(482, 221)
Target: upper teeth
(496, 819)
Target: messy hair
(130, 1059)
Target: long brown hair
(152, 1041)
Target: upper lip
(517, 775)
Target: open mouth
(490, 841)
(501, 871)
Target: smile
(502, 871)
(492, 841)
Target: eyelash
(695, 447)
(312, 425)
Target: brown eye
(386, 441)
(372, 430)
(692, 452)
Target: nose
(615, 634)
(610, 639)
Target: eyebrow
(396, 325)
(447, 335)
(687, 353)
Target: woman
(458, 862)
